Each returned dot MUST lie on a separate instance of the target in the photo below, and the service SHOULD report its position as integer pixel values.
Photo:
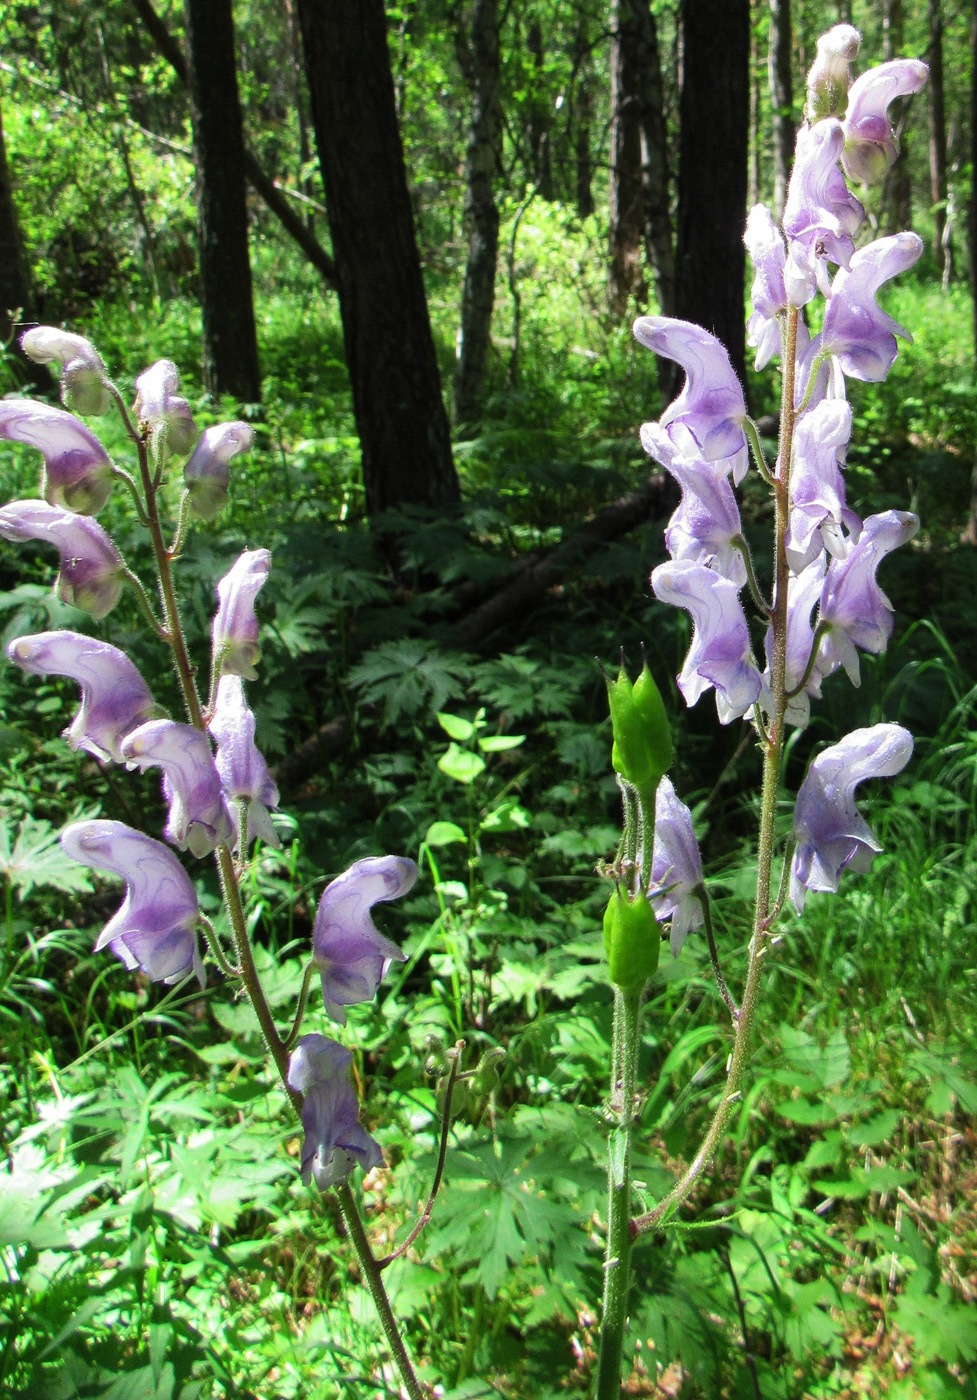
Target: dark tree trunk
(780, 65)
(481, 213)
(714, 127)
(539, 117)
(583, 118)
(16, 302)
(970, 532)
(639, 211)
(230, 341)
(896, 202)
(937, 115)
(400, 416)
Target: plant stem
(627, 1011)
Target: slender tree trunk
(656, 175)
(896, 201)
(780, 66)
(540, 122)
(937, 115)
(230, 339)
(970, 531)
(400, 417)
(481, 214)
(16, 301)
(711, 261)
(583, 115)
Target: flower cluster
(215, 781)
(828, 606)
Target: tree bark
(711, 260)
(583, 117)
(970, 530)
(230, 339)
(16, 301)
(938, 162)
(780, 66)
(400, 416)
(539, 117)
(481, 214)
(896, 201)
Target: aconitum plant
(765, 655)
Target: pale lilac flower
(830, 73)
(676, 867)
(820, 213)
(853, 605)
(855, 328)
(155, 929)
(235, 627)
(720, 653)
(206, 474)
(707, 520)
(765, 245)
(77, 471)
(162, 411)
(335, 1140)
(91, 567)
(803, 593)
(114, 696)
(870, 145)
(818, 511)
(243, 772)
(830, 834)
(711, 405)
(346, 947)
(198, 817)
(84, 379)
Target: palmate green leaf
(942, 1328)
(30, 856)
(409, 677)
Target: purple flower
(91, 566)
(711, 405)
(77, 470)
(84, 381)
(820, 212)
(198, 817)
(870, 146)
(155, 929)
(803, 592)
(235, 629)
(707, 520)
(855, 328)
(318, 1068)
(830, 73)
(765, 245)
(243, 772)
(676, 867)
(160, 409)
(114, 696)
(206, 475)
(830, 834)
(817, 489)
(720, 652)
(346, 947)
(852, 604)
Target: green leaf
(875, 1130)
(445, 834)
(461, 764)
(455, 727)
(33, 856)
(499, 743)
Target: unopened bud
(830, 76)
(632, 939)
(642, 750)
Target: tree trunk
(639, 203)
(481, 214)
(937, 115)
(711, 261)
(539, 117)
(16, 302)
(970, 531)
(230, 340)
(780, 66)
(896, 200)
(400, 416)
(583, 118)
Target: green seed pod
(632, 939)
(642, 750)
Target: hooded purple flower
(77, 470)
(84, 380)
(711, 405)
(335, 1141)
(155, 929)
(206, 475)
(198, 818)
(803, 592)
(720, 652)
(817, 490)
(855, 328)
(820, 213)
(870, 145)
(114, 696)
(707, 520)
(346, 947)
(852, 603)
(162, 411)
(235, 630)
(830, 834)
(765, 245)
(91, 566)
(243, 772)
(676, 867)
